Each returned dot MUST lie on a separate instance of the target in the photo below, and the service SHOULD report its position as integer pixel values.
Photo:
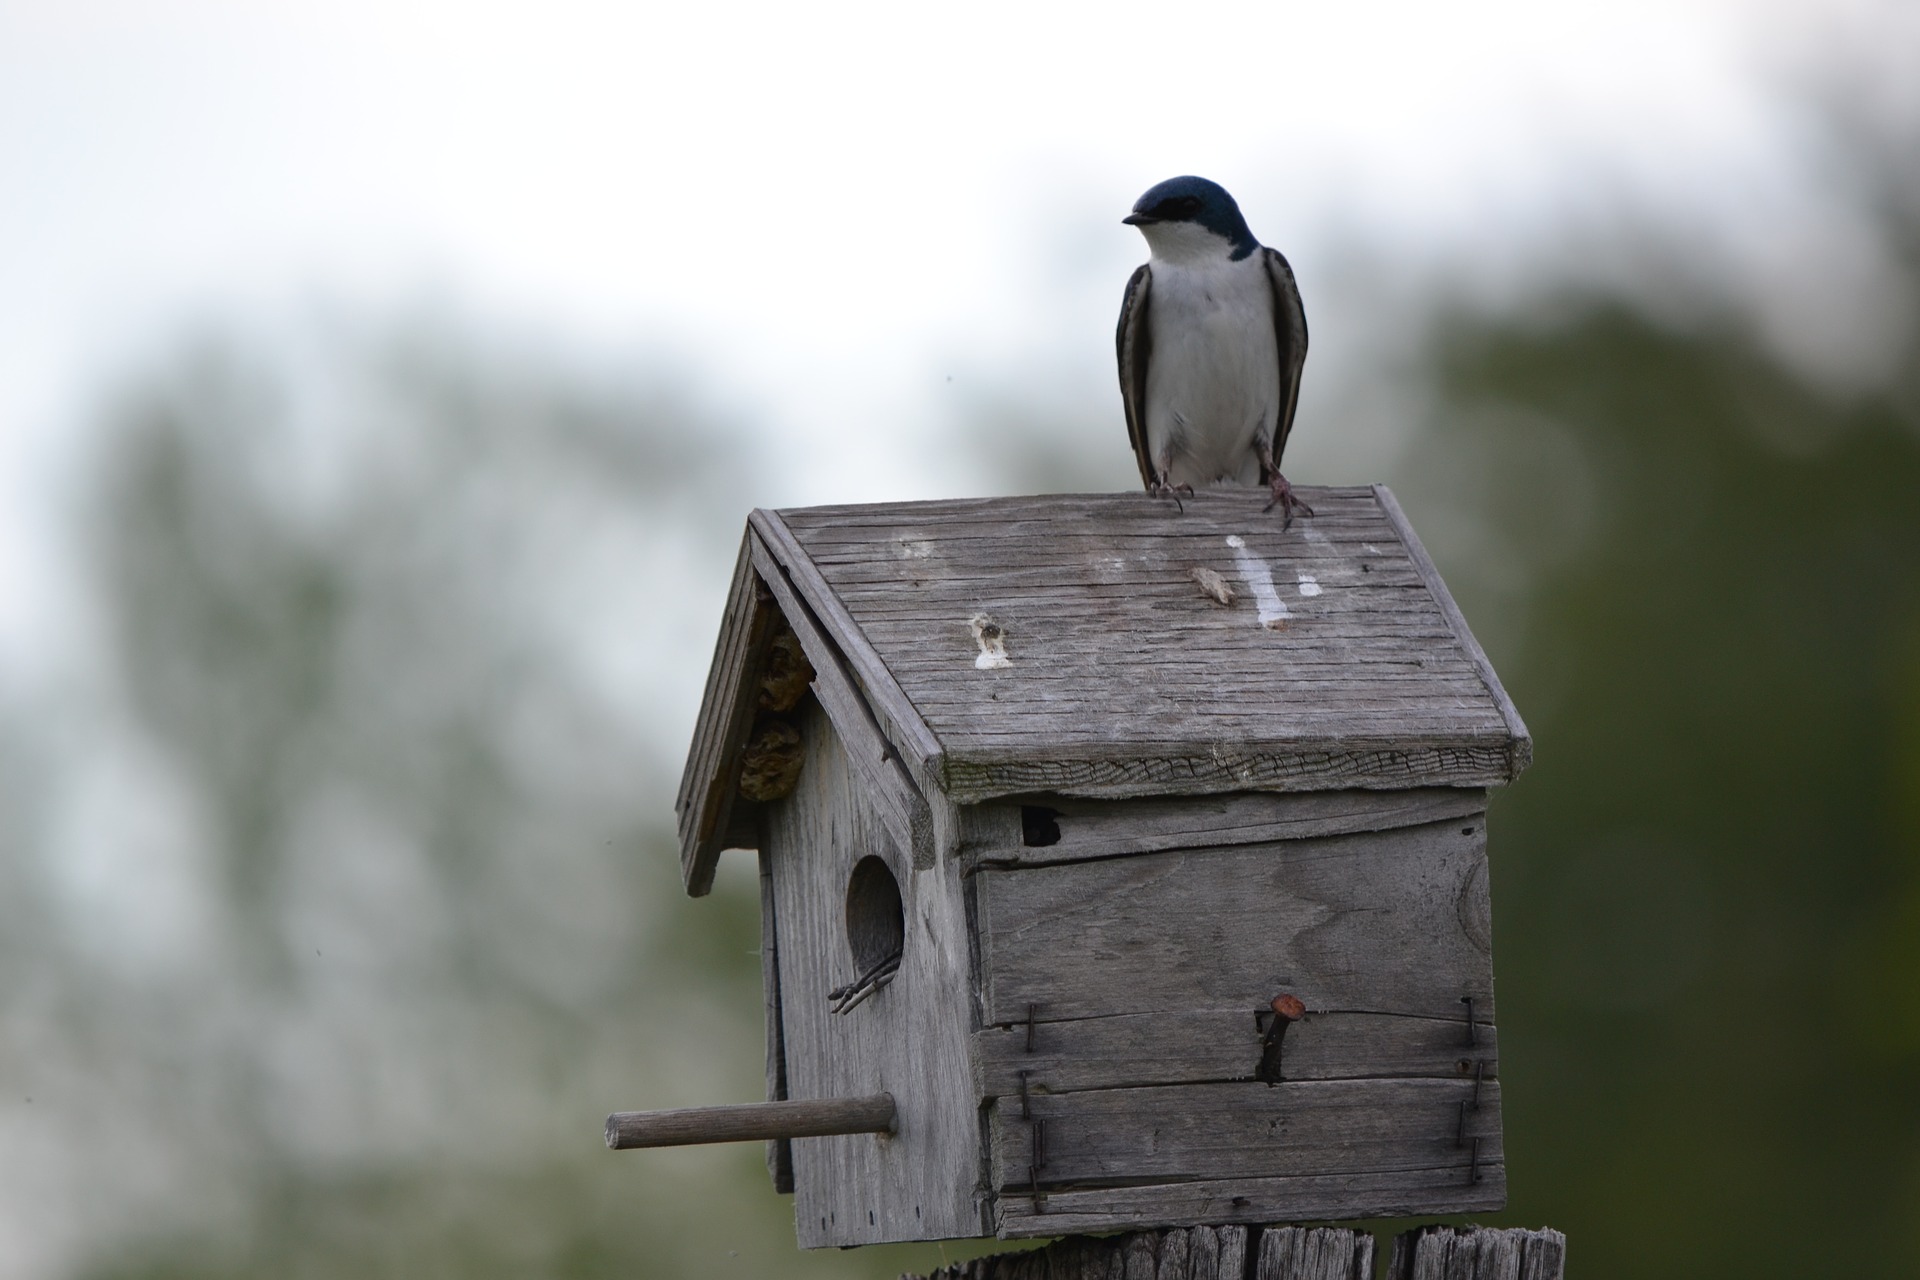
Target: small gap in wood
(1039, 826)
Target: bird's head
(1187, 218)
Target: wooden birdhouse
(1122, 865)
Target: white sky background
(825, 212)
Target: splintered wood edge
(705, 800)
(1522, 749)
(1468, 1253)
(899, 718)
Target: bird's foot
(1283, 497)
(1161, 489)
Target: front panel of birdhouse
(1131, 954)
(847, 899)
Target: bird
(1211, 341)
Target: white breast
(1213, 375)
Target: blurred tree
(1702, 573)
(393, 617)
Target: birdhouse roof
(1110, 645)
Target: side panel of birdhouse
(848, 902)
(1135, 1070)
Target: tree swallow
(1212, 338)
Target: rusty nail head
(1290, 1007)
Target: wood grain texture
(1279, 1253)
(992, 833)
(890, 787)
(910, 1039)
(1478, 1253)
(1184, 1253)
(1390, 922)
(1404, 1194)
(706, 803)
(779, 1150)
(1314, 1253)
(1124, 678)
(750, 1122)
(1229, 1132)
(1197, 1048)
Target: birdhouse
(1122, 864)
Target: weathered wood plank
(945, 646)
(1395, 921)
(900, 528)
(1166, 574)
(779, 1150)
(1269, 766)
(992, 834)
(893, 790)
(1184, 1253)
(1401, 1194)
(1478, 1253)
(909, 1039)
(1340, 503)
(1213, 1132)
(1196, 1047)
(1314, 1253)
(901, 722)
(705, 803)
(1035, 615)
(1522, 740)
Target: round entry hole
(876, 924)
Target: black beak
(1139, 220)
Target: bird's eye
(1177, 208)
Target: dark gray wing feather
(1290, 331)
(1132, 346)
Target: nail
(1287, 1010)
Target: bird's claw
(1283, 497)
(1161, 489)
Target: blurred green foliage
(1707, 890)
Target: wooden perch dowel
(751, 1122)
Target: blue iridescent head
(1196, 201)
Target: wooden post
(1477, 1253)
(1278, 1253)
(750, 1122)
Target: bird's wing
(1131, 344)
(1290, 332)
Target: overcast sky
(824, 211)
